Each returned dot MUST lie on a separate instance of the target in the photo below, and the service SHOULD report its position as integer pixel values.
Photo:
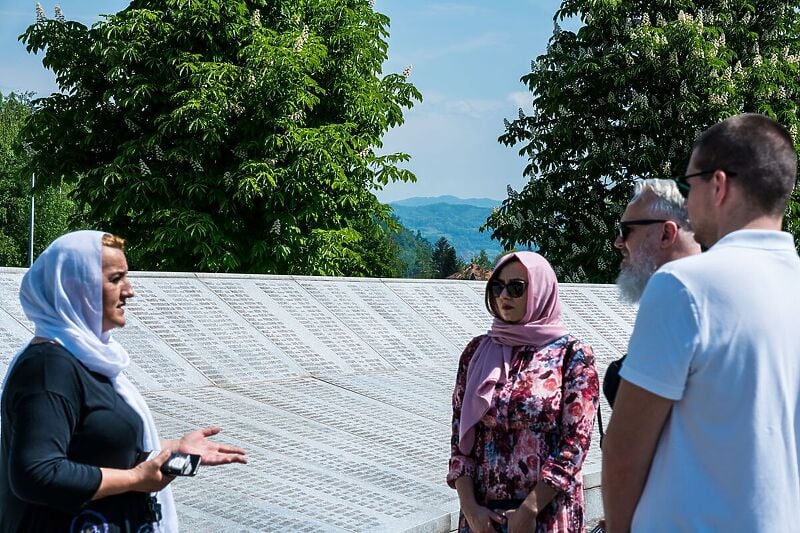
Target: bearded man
(653, 230)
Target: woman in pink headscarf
(523, 409)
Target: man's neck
(683, 249)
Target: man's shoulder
(677, 274)
(693, 264)
(736, 256)
(701, 268)
(757, 239)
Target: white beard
(633, 277)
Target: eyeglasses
(515, 288)
(624, 227)
(683, 181)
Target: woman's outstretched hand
(211, 453)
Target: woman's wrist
(466, 494)
(529, 506)
(468, 507)
(539, 497)
(117, 481)
(135, 478)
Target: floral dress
(538, 427)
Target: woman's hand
(211, 453)
(482, 519)
(147, 475)
(144, 477)
(521, 520)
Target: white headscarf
(62, 294)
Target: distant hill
(455, 220)
(419, 201)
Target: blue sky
(467, 59)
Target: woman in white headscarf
(79, 450)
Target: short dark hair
(489, 300)
(761, 153)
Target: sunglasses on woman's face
(514, 288)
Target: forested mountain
(458, 222)
(418, 201)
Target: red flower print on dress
(538, 428)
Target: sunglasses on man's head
(624, 227)
(683, 181)
(515, 288)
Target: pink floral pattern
(531, 432)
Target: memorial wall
(339, 389)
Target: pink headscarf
(540, 326)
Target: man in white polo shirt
(705, 434)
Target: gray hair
(667, 203)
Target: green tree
(224, 136)
(482, 260)
(501, 254)
(421, 265)
(623, 98)
(414, 251)
(444, 258)
(54, 211)
(378, 253)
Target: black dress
(60, 424)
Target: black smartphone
(181, 464)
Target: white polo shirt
(719, 334)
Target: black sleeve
(46, 402)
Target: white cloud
(521, 99)
(474, 108)
(456, 155)
(430, 97)
(437, 102)
(487, 40)
(441, 104)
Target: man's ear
(669, 233)
(721, 183)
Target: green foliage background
(623, 98)
(55, 213)
(226, 136)
(391, 252)
(415, 252)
